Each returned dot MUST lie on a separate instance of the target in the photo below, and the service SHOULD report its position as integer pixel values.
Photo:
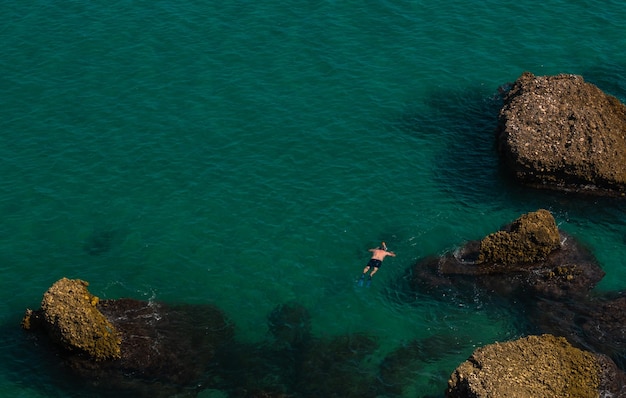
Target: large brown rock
(561, 132)
(535, 366)
(70, 316)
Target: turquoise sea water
(247, 154)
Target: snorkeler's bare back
(378, 254)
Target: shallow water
(248, 155)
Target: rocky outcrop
(144, 348)
(560, 132)
(524, 257)
(545, 276)
(535, 366)
(529, 239)
(70, 316)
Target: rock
(529, 239)
(70, 316)
(398, 369)
(253, 369)
(560, 132)
(596, 323)
(535, 366)
(526, 258)
(290, 324)
(142, 348)
(335, 368)
(171, 343)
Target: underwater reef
(185, 350)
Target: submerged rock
(398, 369)
(595, 324)
(244, 370)
(290, 324)
(101, 241)
(338, 366)
(560, 132)
(171, 343)
(335, 368)
(535, 366)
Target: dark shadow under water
(290, 362)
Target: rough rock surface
(561, 132)
(528, 239)
(534, 366)
(70, 316)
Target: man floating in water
(378, 255)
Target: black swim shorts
(374, 263)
